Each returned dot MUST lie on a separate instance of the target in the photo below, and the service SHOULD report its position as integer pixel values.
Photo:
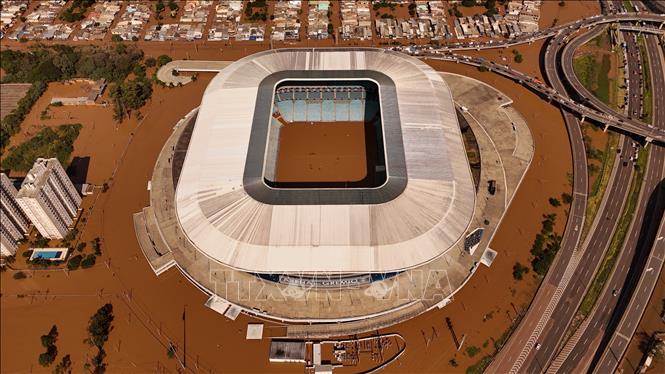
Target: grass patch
(603, 81)
(58, 143)
(585, 70)
(594, 75)
(617, 238)
(648, 101)
(480, 366)
(599, 186)
(472, 350)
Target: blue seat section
(324, 104)
(356, 110)
(286, 108)
(314, 111)
(299, 111)
(328, 111)
(300, 95)
(356, 95)
(341, 110)
(314, 95)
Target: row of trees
(60, 62)
(48, 142)
(99, 328)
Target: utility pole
(184, 336)
(452, 332)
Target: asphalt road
(563, 288)
(517, 350)
(580, 356)
(641, 275)
(592, 254)
(609, 118)
(520, 356)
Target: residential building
(48, 198)
(13, 222)
(318, 19)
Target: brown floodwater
(149, 309)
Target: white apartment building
(13, 222)
(48, 198)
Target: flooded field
(149, 310)
(322, 152)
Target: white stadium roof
(431, 214)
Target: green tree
(48, 142)
(519, 270)
(50, 338)
(89, 261)
(48, 341)
(20, 275)
(99, 326)
(74, 262)
(163, 60)
(64, 367)
(47, 358)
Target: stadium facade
(393, 238)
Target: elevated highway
(553, 308)
(607, 119)
(535, 342)
(578, 352)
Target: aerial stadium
(308, 176)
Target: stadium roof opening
(239, 206)
(325, 134)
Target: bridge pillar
(661, 25)
(606, 127)
(583, 118)
(649, 139)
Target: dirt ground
(322, 152)
(149, 309)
